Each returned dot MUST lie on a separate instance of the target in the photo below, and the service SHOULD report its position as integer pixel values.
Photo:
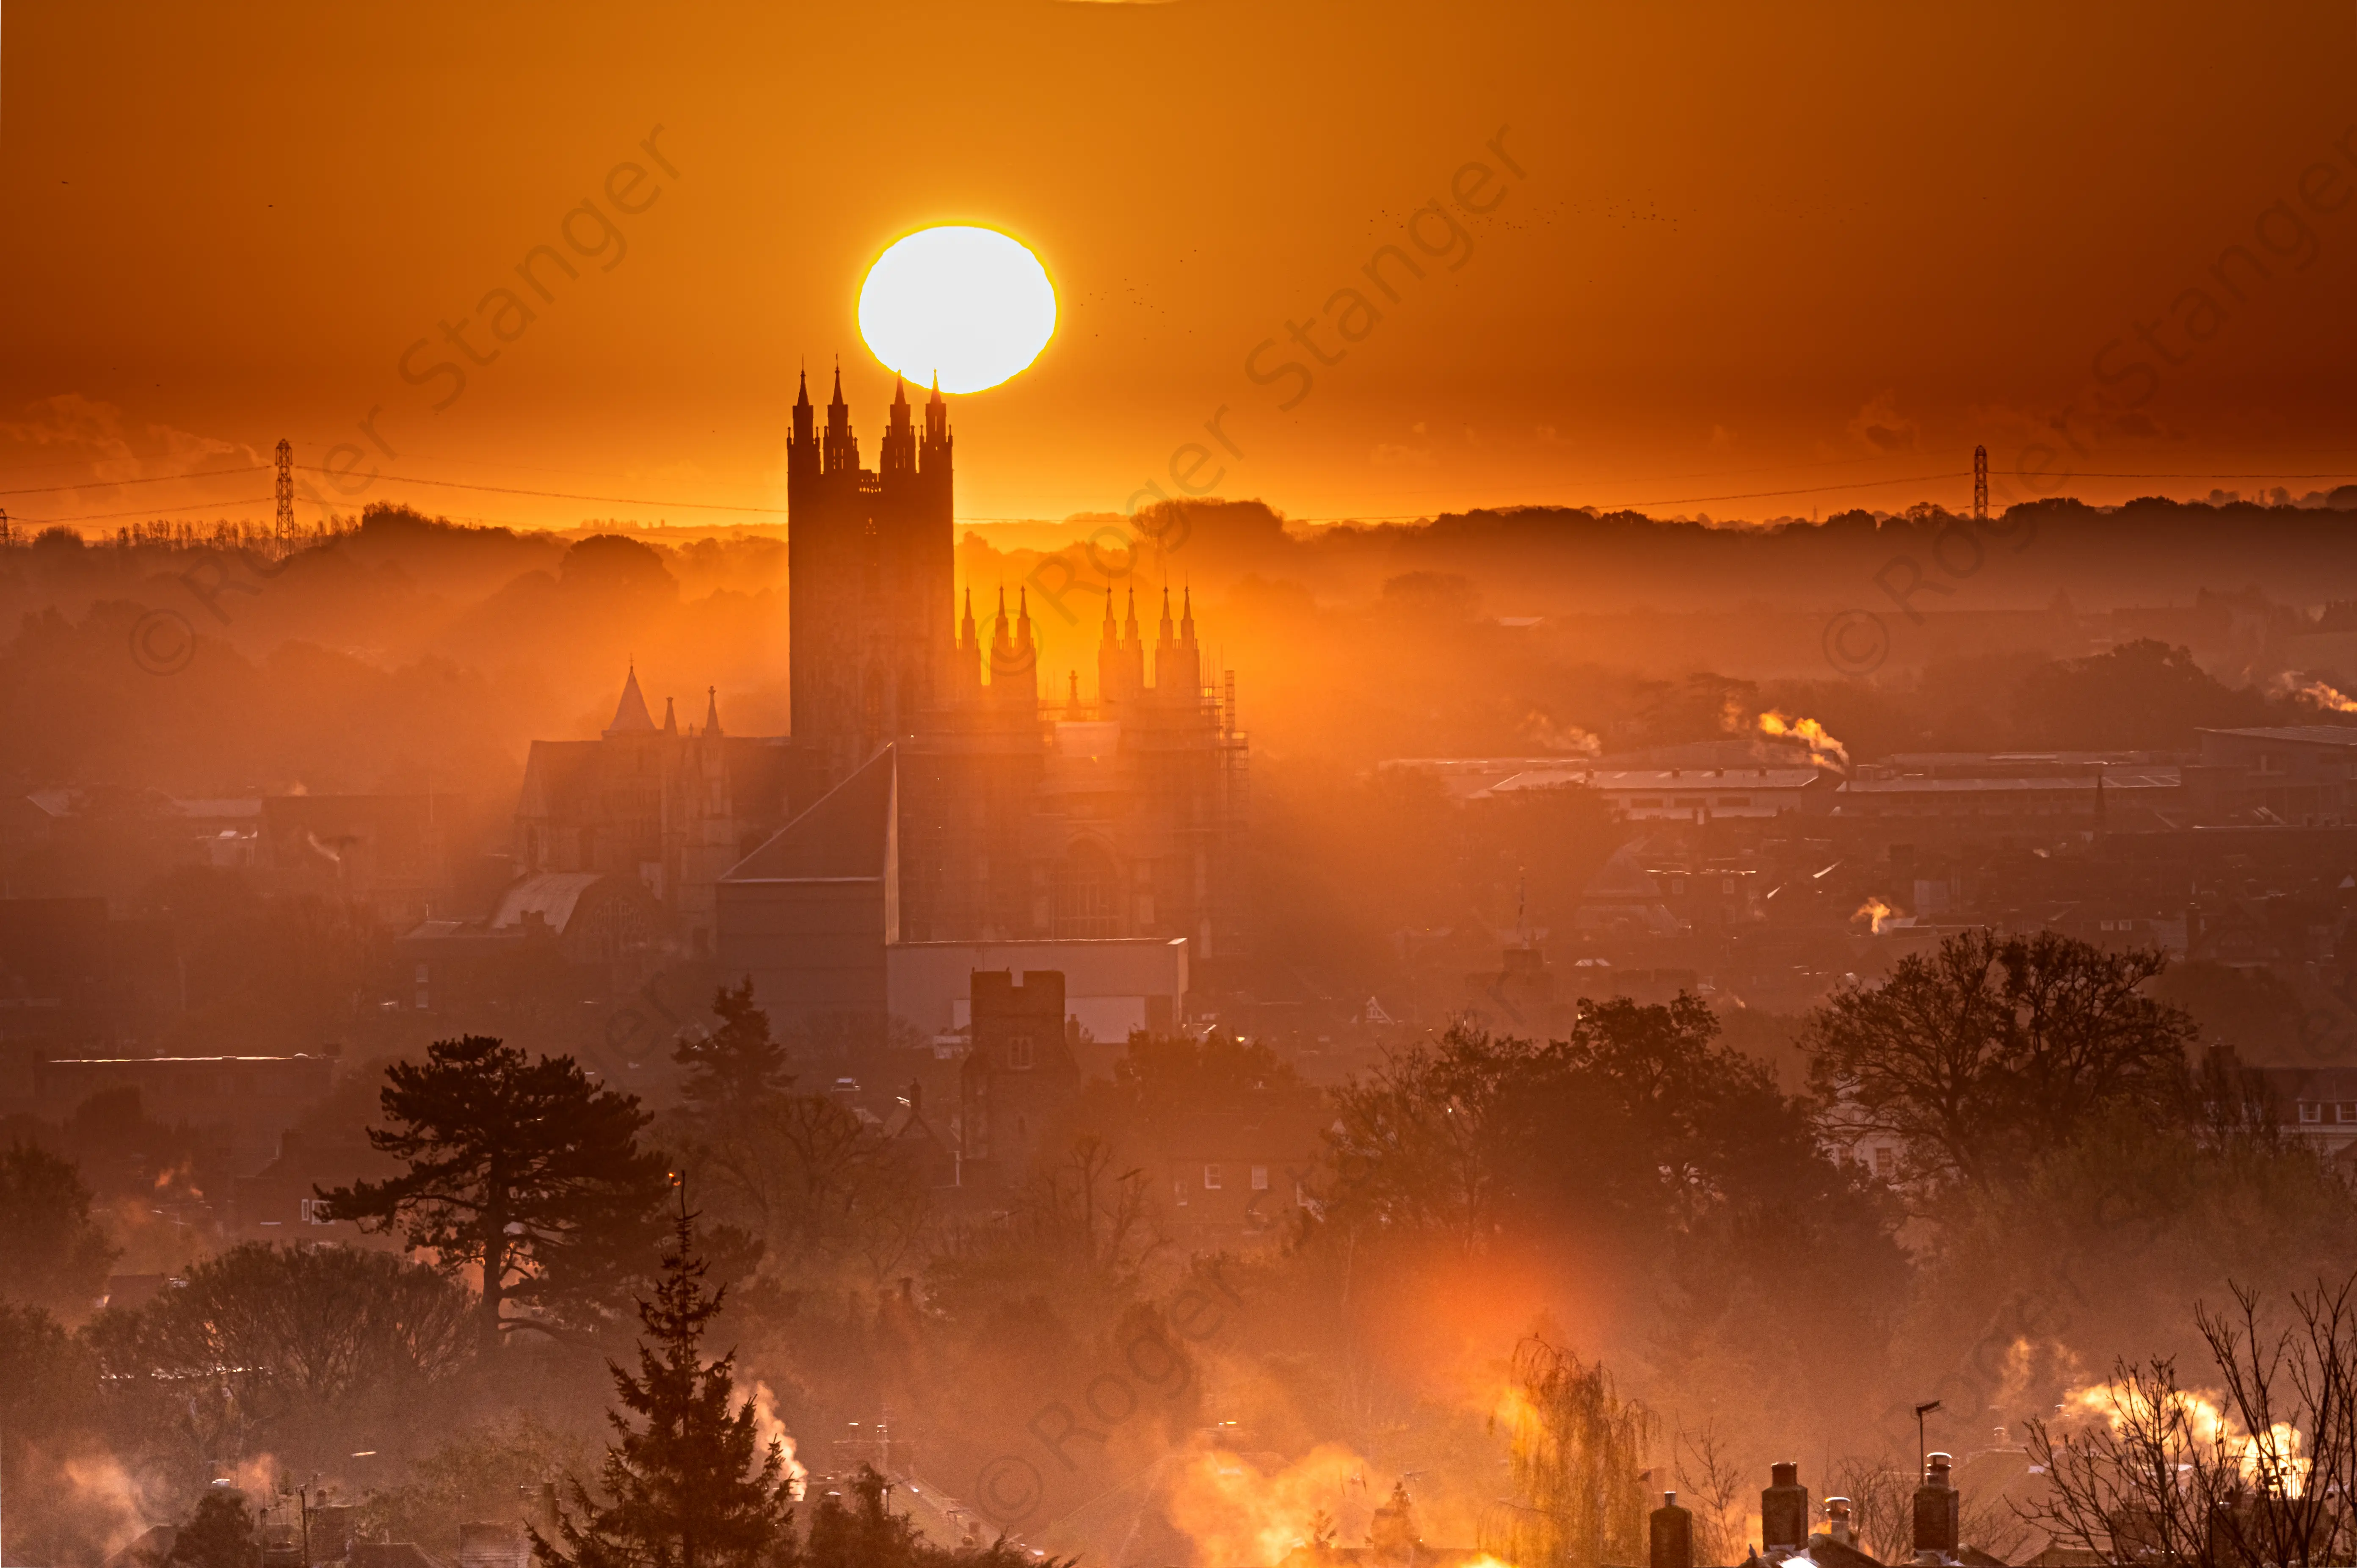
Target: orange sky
(1805, 248)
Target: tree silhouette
(1993, 1048)
(220, 1534)
(521, 1168)
(689, 1484)
(736, 1066)
(57, 1254)
(1576, 1460)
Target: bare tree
(1881, 1493)
(817, 1186)
(1713, 1483)
(2264, 1474)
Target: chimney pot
(1784, 1508)
(1938, 1510)
(1671, 1536)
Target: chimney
(1672, 1534)
(1937, 1509)
(1784, 1509)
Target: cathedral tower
(870, 560)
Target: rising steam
(1824, 751)
(769, 1428)
(2318, 693)
(2205, 1426)
(1239, 1516)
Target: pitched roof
(850, 835)
(552, 895)
(2311, 735)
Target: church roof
(552, 895)
(630, 716)
(1623, 878)
(846, 836)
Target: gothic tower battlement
(870, 558)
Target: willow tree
(1576, 1459)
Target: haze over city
(1178, 785)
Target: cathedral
(930, 794)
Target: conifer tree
(688, 1483)
(737, 1065)
(524, 1168)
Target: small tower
(842, 448)
(898, 457)
(937, 433)
(802, 449)
(1023, 692)
(1181, 672)
(1001, 646)
(1113, 684)
(1133, 650)
(1166, 654)
(966, 657)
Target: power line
(150, 480)
(144, 511)
(557, 495)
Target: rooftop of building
(2302, 734)
(1921, 783)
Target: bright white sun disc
(970, 304)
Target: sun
(972, 305)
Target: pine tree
(737, 1065)
(524, 1168)
(688, 1483)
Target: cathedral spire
(1113, 679)
(630, 716)
(711, 711)
(842, 452)
(670, 718)
(937, 419)
(802, 397)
